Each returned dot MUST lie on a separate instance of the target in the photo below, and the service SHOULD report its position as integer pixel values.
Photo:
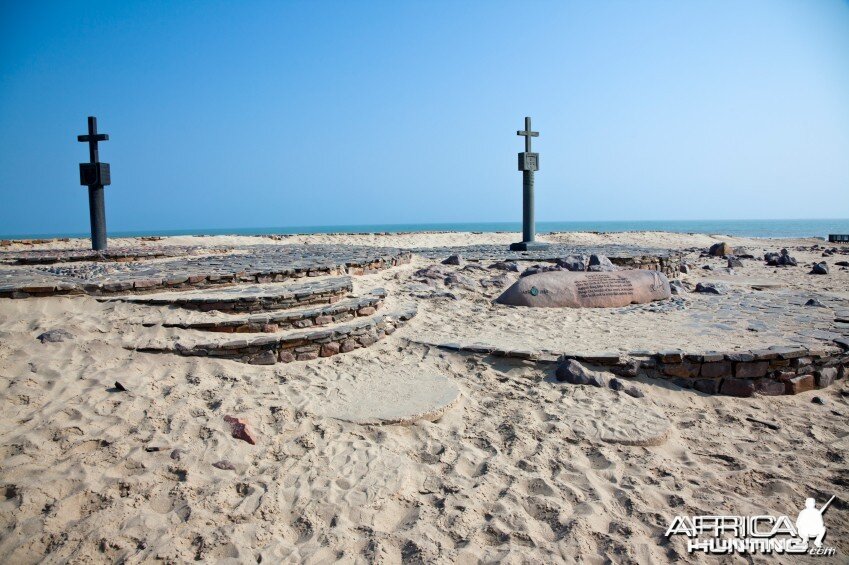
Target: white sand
(501, 476)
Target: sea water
(745, 228)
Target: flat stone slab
(117, 254)
(559, 289)
(620, 421)
(380, 399)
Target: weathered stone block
(825, 376)
(307, 356)
(349, 345)
(712, 357)
(765, 354)
(671, 356)
(740, 357)
(789, 352)
(264, 358)
(801, 362)
(769, 387)
(329, 349)
(716, 370)
(286, 356)
(783, 376)
(367, 340)
(707, 386)
(683, 370)
(737, 387)
(751, 370)
(800, 383)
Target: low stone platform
(772, 371)
(249, 298)
(249, 264)
(306, 345)
(772, 342)
(337, 312)
(624, 256)
(116, 254)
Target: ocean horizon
(744, 228)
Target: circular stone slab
(624, 422)
(389, 400)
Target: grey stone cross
(95, 175)
(528, 134)
(528, 163)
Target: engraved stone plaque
(558, 289)
(528, 161)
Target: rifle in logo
(810, 524)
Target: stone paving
(625, 256)
(799, 347)
(117, 254)
(248, 298)
(257, 264)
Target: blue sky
(250, 114)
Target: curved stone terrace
(248, 264)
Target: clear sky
(255, 114)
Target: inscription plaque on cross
(95, 175)
(528, 163)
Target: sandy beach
(512, 469)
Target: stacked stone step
(117, 254)
(306, 345)
(334, 313)
(258, 298)
(252, 264)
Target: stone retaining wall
(194, 274)
(300, 346)
(326, 291)
(774, 371)
(337, 312)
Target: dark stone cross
(528, 163)
(95, 175)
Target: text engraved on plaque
(603, 285)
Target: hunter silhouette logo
(762, 533)
(810, 524)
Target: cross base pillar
(528, 246)
(97, 214)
